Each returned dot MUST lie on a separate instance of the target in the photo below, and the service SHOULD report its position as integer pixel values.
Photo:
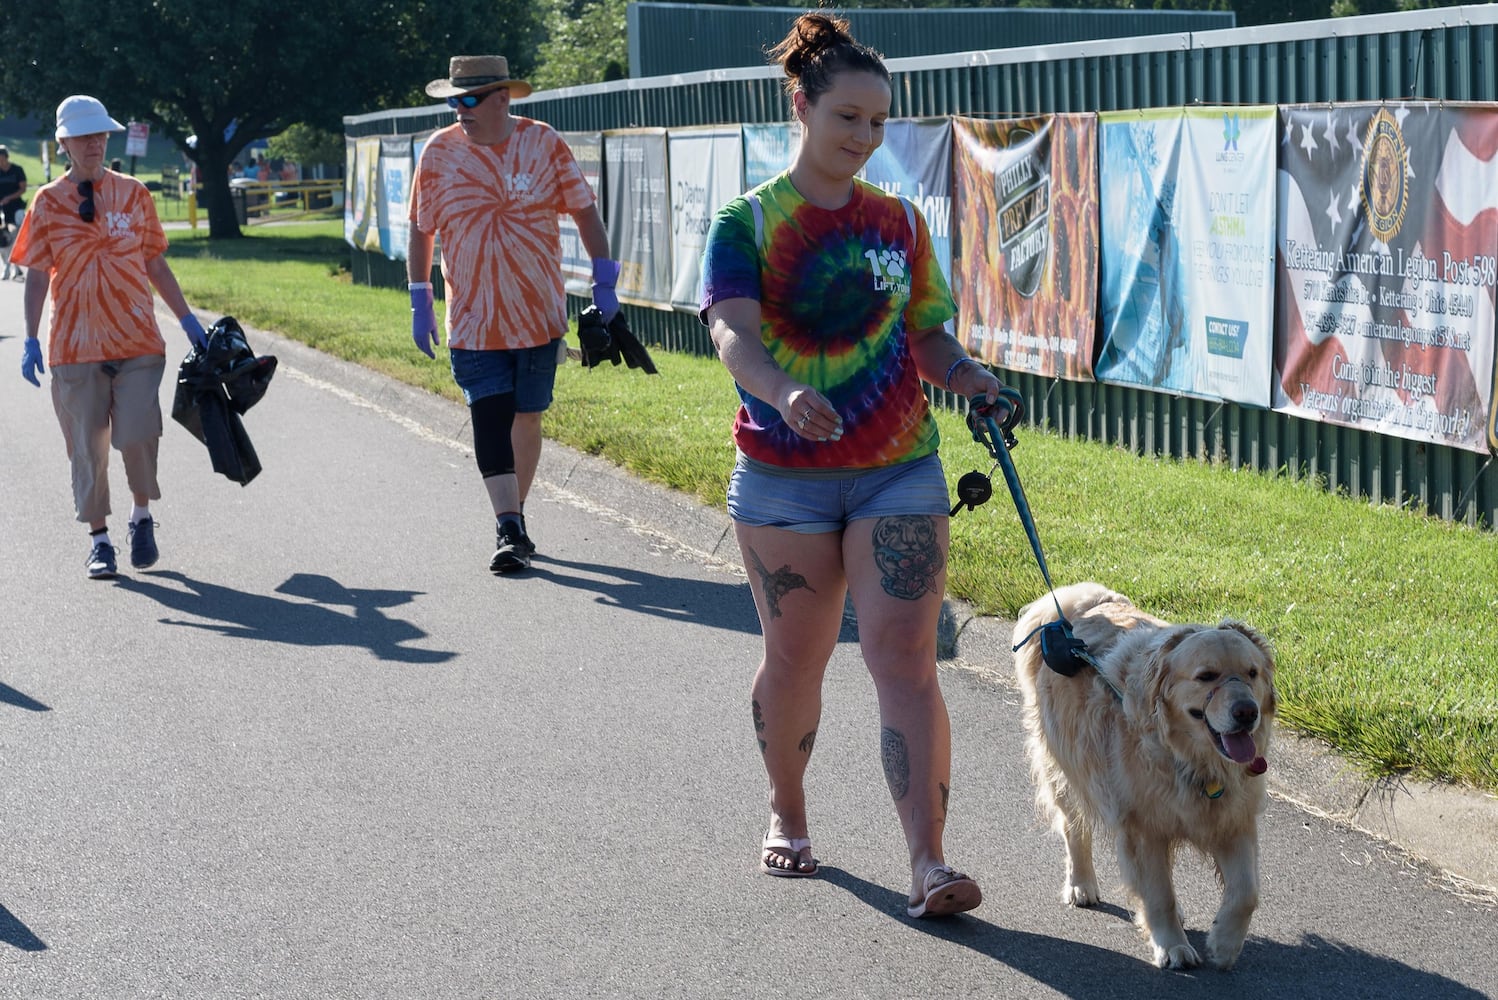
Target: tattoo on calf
(759, 726)
(777, 584)
(896, 762)
(808, 741)
(908, 555)
(945, 792)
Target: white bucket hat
(83, 115)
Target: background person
(491, 187)
(93, 241)
(828, 311)
(12, 206)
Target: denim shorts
(530, 373)
(816, 504)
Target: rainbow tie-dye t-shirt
(838, 290)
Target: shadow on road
(10, 696)
(17, 934)
(1314, 968)
(719, 605)
(265, 618)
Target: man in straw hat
(93, 241)
(491, 187)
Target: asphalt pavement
(319, 751)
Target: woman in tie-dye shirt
(826, 305)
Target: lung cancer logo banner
(1024, 248)
(1388, 263)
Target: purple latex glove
(423, 319)
(195, 332)
(605, 277)
(31, 361)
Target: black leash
(992, 425)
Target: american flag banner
(1387, 263)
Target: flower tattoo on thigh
(908, 555)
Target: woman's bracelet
(953, 369)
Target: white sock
(101, 538)
(138, 513)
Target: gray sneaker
(101, 564)
(143, 553)
(513, 550)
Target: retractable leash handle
(1062, 651)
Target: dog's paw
(1178, 956)
(1080, 893)
(1222, 951)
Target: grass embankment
(1385, 621)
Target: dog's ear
(1157, 666)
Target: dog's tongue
(1240, 747)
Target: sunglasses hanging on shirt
(86, 206)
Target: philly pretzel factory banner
(769, 150)
(637, 193)
(577, 265)
(396, 173)
(1025, 246)
(915, 162)
(1388, 233)
(707, 169)
(1187, 257)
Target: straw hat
(471, 74)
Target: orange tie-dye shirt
(102, 306)
(494, 211)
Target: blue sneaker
(143, 544)
(101, 565)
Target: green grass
(1385, 622)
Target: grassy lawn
(1385, 621)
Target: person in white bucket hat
(91, 240)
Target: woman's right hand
(809, 414)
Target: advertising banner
(1388, 261)
(769, 150)
(396, 172)
(639, 227)
(577, 266)
(707, 169)
(361, 218)
(1187, 250)
(1025, 244)
(915, 162)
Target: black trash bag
(215, 386)
(612, 342)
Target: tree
(587, 43)
(232, 73)
(307, 145)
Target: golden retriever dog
(1163, 744)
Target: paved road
(319, 752)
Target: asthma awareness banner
(768, 151)
(1387, 266)
(1187, 250)
(577, 265)
(707, 169)
(1025, 246)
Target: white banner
(707, 169)
(1187, 208)
(577, 266)
(396, 171)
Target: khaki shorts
(103, 403)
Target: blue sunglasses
(470, 100)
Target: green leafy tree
(231, 73)
(587, 43)
(307, 145)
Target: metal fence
(1446, 54)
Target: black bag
(215, 386)
(612, 342)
